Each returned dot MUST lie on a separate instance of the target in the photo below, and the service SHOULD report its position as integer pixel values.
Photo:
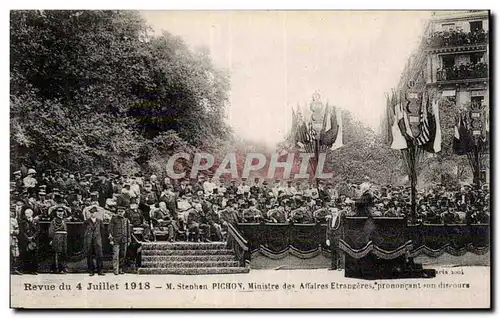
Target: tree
(364, 154)
(93, 90)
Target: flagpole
(316, 156)
(413, 182)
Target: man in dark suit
(104, 188)
(29, 229)
(334, 233)
(92, 242)
(119, 237)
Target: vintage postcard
(249, 159)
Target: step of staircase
(193, 271)
(188, 264)
(185, 252)
(183, 246)
(187, 258)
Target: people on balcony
(463, 71)
(453, 38)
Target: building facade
(451, 66)
(457, 57)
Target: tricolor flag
(398, 139)
(331, 136)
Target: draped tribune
(384, 237)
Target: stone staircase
(187, 258)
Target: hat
(93, 209)
(42, 193)
(31, 171)
(94, 194)
(87, 175)
(18, 172)
(122, 202)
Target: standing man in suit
(333, 235)
(29, 230)
(92, 242)
(119, 237)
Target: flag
(398, 139)
(462, 140)
(302, 136)
(406, 128)
(332, 131)
(339, 140)
(430, 136)
(438, 137)
(327, 121)
(388, 121)
(426, 132)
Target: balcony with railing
(457, 39)
(463, 72)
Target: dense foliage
(93, 90)
(364, 156)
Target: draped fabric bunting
(374, 249)
(277, 241)
(307, 241)
(291, 250)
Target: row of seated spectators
(206, 206)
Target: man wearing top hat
(92, 242)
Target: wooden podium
(377, 248)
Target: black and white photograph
(250, 159)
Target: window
(476, 26)
(448, 61)
(448, 26)
(476, 57)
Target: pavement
(453, 287)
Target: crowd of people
(463, 71)
(457, 37)
(201, 209)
